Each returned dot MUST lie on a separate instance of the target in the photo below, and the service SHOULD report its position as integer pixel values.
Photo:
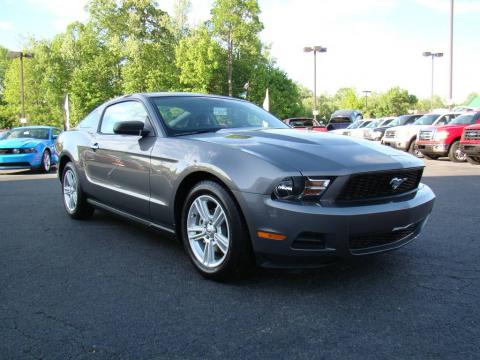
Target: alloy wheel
(47, 163)
(208, 231)
(70, 193)
(460, 155)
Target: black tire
(238, 260)
(474, 160)
(46, 164)
(412, 149)
(431, 157)
(81, 210)
(455, 154)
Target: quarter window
(91, 120)
(124, 111)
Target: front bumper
(471, 149)
(433, 148)
(334, 230)
(20, 161)
(396, 143)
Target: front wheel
(74, 200)
(46, 164)
(214, 234)
(413, 149)
(474, 160)
(455, 154)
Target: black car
(340, 119)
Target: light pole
(315, 49)
(20, 55)
(366, 92)
(432, 55)
(450, 84)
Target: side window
(55, 133)
(91, 121)
(124, 111)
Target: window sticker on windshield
(219, 111)
(264, 124)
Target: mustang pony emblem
(396, 182)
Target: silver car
(237, 186)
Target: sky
(372, 44)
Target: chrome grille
(472, 135)
(390, 134)
(426, 135)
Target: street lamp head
(19, 54)
(320, 49)
(427, 53)
(438, 54)
(307, 49)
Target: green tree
(198, 59)
(236, 25)
(181, 8)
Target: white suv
(405, 137)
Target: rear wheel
(455, 154)
(74, 200)
(474, 160)
(214, 234)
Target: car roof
(35, 127)
(177, 94)
(345, 112)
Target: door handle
(95, 146)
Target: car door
(119, 165)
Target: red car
(445, 140)
(302, 123)
(470, 143)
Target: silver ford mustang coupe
(238, 186)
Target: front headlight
(301, 188)
(441, 135)
(15, 151)
(29, 150)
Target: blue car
(29, 147)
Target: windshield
(191, 114)
(355, 124)
(426, 119)
(373, 124)
(31, 133)
(364, 124)
(463, 119)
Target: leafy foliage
(131, 46)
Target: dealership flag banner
(266, 102)
(67, 114)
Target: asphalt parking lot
(109, 289)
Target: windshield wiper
(200, 131)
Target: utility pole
(366, 92)
(450, 84)
(432, 55)
(315, 49)
(20, 55)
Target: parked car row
(455, 134)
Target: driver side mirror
(130, 128)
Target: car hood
(452, 128)
(19, 143)
(312, 152)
